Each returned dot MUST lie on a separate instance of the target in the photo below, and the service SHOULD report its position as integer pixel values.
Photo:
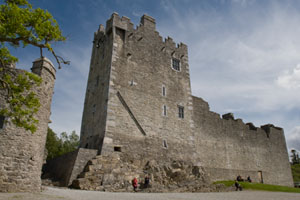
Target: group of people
(135, 183)
(240, 179)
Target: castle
(140, 118)
(138, 101)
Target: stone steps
(115, 173)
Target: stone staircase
(107, 173)
(116, 171)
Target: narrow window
(94, 109)
(181, 112)
(165, 145)
(176, 64)
(2, 118)
(164, 91)
(165, 110)
(97, 81)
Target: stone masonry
(21, 152)
(139, 102)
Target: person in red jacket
(134, 184)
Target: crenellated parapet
(146, 27)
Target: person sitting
(238, 186)
(239, 178)
(249, 179)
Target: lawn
(260, 186)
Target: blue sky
(244, 55)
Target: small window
(97, 81)
(164, 91)
(2, 119)
(165, 145)
(176, 64)
(117, 148)
(181, 112)
(165, 110)
(94, 109)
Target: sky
(244, 55)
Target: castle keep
(139, 102)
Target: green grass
(260, 186)
(296, 172)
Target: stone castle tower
(22, 152)
(138, 101)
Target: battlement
(147, 26)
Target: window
(176, 64)
(165, 110)
(117, 148)
(164, 91)
(165, 145)
(97, 81)
(181, 112)
(2, 118)
(94, 109)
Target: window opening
(176, 64)
(181, 112)
(165, 110)
(117, 148)
(94, 109)
(165, 144)
(97, 81)
(2, 119)
(164, 91)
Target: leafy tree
(22, 25)
(295, 157)
(53, 144)
(58, 146)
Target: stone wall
(21, 152)
(64, 169)
(136, 110)
(228, 147)
(93, 121)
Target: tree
(295, 157)
(22, 25)
(57, 146)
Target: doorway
(260, 177)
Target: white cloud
(237, 58)
(293, 139)
(290, 79)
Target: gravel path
(66, 194)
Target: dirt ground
(51, 193)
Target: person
(237, 186)
(147, 181)
(134, 184)
(249, 179)
(239, 178)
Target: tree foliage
(57, 146)
(295, 157)
(22, 25)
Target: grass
(260, 186)
(296, 172)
